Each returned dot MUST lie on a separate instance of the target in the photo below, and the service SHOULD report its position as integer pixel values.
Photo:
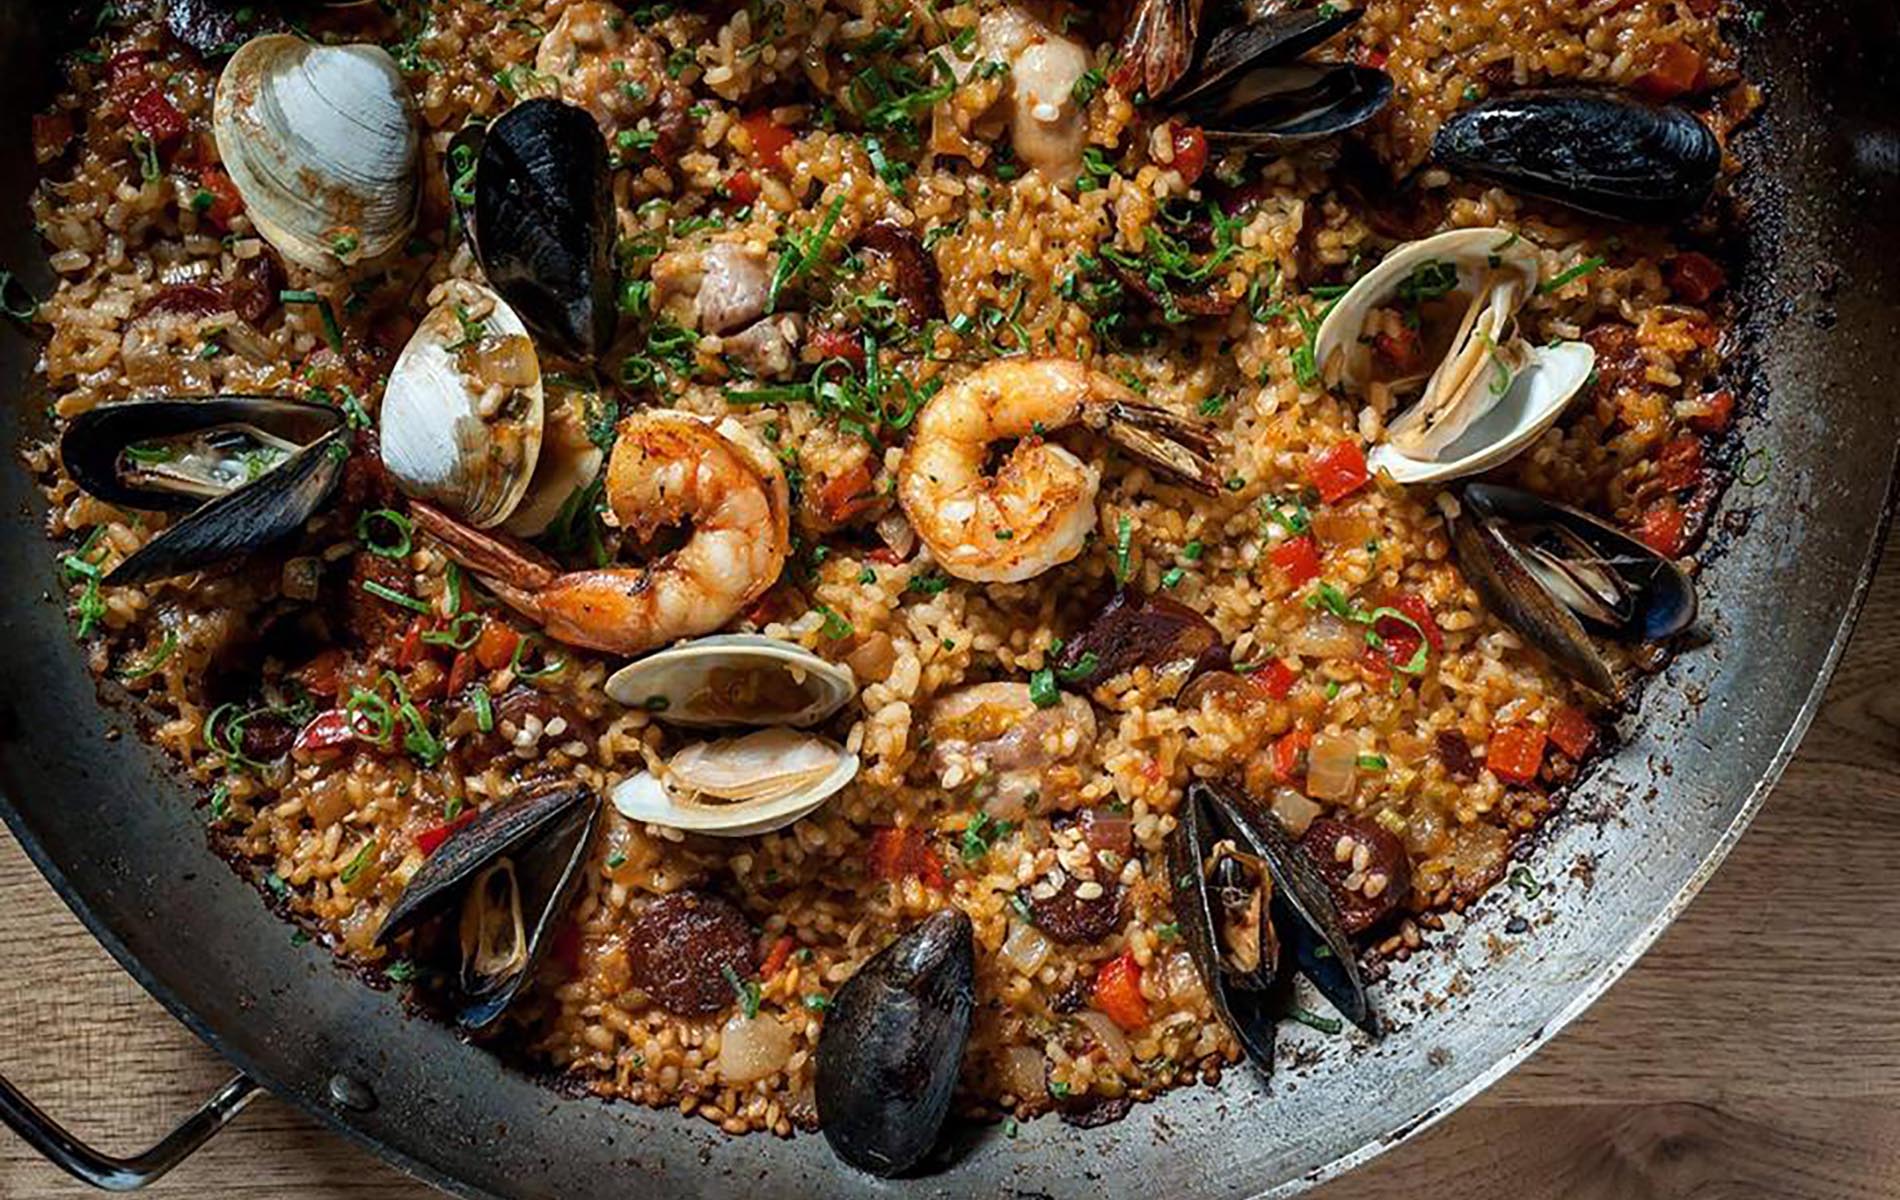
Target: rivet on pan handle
(104, 1171)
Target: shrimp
(667, 468)
(1037, 510)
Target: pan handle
(104, 1171)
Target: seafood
(1038, 509)
(322, 143)
(568, 464)
(892, 1043)
(1555, 574)
(1047, 128)
(666, 467)
(996, 736)
(463, 413)
(252, 468)
(506, 878)
(737, 679)
(1439, 317)
(1600, 153)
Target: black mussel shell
(1274, 38)
(545, 223)
(1497, 536)
(1598, 152)
(1136, 629)
(239, 523)
(1279, 108)
(892, 1045)
(94, 446)
(544, 836)
(1304, 911)
(1248, 1006)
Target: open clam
(322, 143)
(748, 784)
(252, 469)
(569, 463)
(505, 878)
(1561, 577)
(463, 413)
(1434, 326)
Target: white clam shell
(694, 683)
(569, 463)
(444, 436)
(322, 143)
(1509, 391)
(738, 787)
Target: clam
(569, 463)
(252, 470)
(1477, 392)
(504, 881)
(1562, 578)
(1600, 153)
(1254, 909)
(463, 411)
(544, 223)
(747, 784)
(1248, 91)
(892, 1045)
(322, 144)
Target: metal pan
(126, 849)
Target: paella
(833, 563)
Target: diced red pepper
(846, 495)
(1678, 70)
(154, 115)
(1421, 613)
(1289, 755)
(1662, 528)
(1402, 349)
(1515, 753)
(1298, 557)
(1718, 409)
(319, 675)
(742, 188)
(430, 840)
(1118, 992)
(1276, 679)
(902, 853)
(778, 956)
(1573, 732)
(495, 649)
(885, 555)
(769, 607)
(1190, 151)
(1400, 642)
(326, 731)
(1369, 56)
(51, 135)
(1694, 277)
(1679, 462)
(1338, 472)
(838, 343)
(1377, 661)
(125, 70)
(462, 672)
(226, 204)
(413, 648)
(769, 138)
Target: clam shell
(569, 463)
(1537, 397)
(322, 144)
(734, 679)
(444, 436)
(737, 787)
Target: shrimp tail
(1158, 45)
(1171, 443)
(513, 571)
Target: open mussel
(1598, 152)
(892, 1044)
(543, 222)
(1254, 909)
(1561, 577)
(1247, 89)
(504, 880)
(252, 468)
(322, 143)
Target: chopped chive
(403, 543)
(1323, 1024)
(1586, 267)
(164, 651)
(395, 597)
(484, 710)
(1124, 540)
(356, 865)
(1043, 692)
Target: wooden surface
(1755, 1052)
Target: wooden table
(1754, 1052)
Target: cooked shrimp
(1037, 510)
(667, 468)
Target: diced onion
(1025, 948)
(1295, 811)
(1109, 1036)
(752, 1048)
(1332, 767)
(1024, 1072)
(1326, 636)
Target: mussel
(253, 469)
(1247, 90)
(892, 1044)
(1476, 392)
(1253, 909)
(505, 878)
(543, 223)
(322, 143)
(1558, 576)
(1598, 152)
(746, 784)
